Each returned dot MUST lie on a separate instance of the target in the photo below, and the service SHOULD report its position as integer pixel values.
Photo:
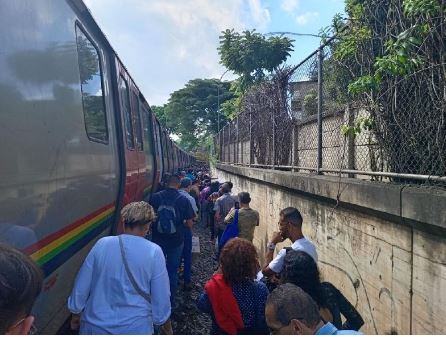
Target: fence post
(224, 145)
(293, 147)
(319, 108)
(250, 140)
(238, 142)
(273, 154)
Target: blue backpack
(231, 231)
(167, 217)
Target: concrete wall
(383, 246)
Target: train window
(146, 126)
(92, 88)
(125, 106)
(138, 123)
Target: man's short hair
(20, 284)
(230, 185)
(292, 215)
(185, 182)
(244, 197)
(173, 180)
(291, 302)
(225, 188)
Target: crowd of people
(127, 283)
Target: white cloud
(164, 44)
(260, 14)
(303, 19)
(289, 6)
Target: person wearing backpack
(248, 218)
(174, 213)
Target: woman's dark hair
(238, 260)
(301, 270)
(20, 284)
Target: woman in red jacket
(234, 299)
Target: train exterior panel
(78, 141)
(59, 176)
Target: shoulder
(261, 289)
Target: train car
(78, 142)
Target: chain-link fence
(303, 120)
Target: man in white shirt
(290, 227)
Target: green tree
(251, 54)
(160, 113)
(191, 112)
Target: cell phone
(237, 205)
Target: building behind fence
(300, 121)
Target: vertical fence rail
(251, 152)
(320, 102)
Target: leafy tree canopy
(191, 112)
(250, 54)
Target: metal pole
(273, 155)
(238, 140)
(319, 109)
(223, 144)
(218, 106)
(250, 139)
(242, 147)
(235, 145)
(293, 147)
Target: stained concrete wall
(383, 246)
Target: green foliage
(160, 113)
(191, 112)
(310, 103)
(250, 54)
(361, 123)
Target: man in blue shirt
(291, 311)
(171, 206)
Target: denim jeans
(187, 255)
(173, 259)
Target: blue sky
(166, 43)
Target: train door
(157, 139)
(142, 184)
(149, 149)
(131, 156)
(157, 146)
(165, 151)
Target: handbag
(130, 275)
(231, 231)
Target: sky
(166, 43)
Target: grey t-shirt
(223, 205)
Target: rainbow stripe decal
(53, 250)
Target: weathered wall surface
(380, 246)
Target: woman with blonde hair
(123, 287)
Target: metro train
(78, 141)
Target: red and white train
(78, 141)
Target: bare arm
(277, 237)
(166, 328)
